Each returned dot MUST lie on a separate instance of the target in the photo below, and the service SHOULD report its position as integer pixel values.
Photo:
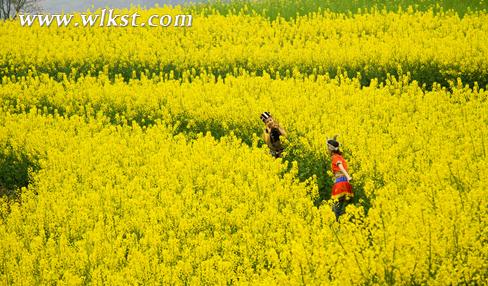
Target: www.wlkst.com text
(106, 18)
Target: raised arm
(266, 136)
(282, 131)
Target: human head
(267, 119)
(333, 145)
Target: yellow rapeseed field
(433, 48)
(134, 156)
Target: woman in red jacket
(342, 189)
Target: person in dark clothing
(273, 135)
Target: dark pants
(276, 154)
(339, 206)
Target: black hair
(335, 144)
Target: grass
(14, 170)
(290, 8)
